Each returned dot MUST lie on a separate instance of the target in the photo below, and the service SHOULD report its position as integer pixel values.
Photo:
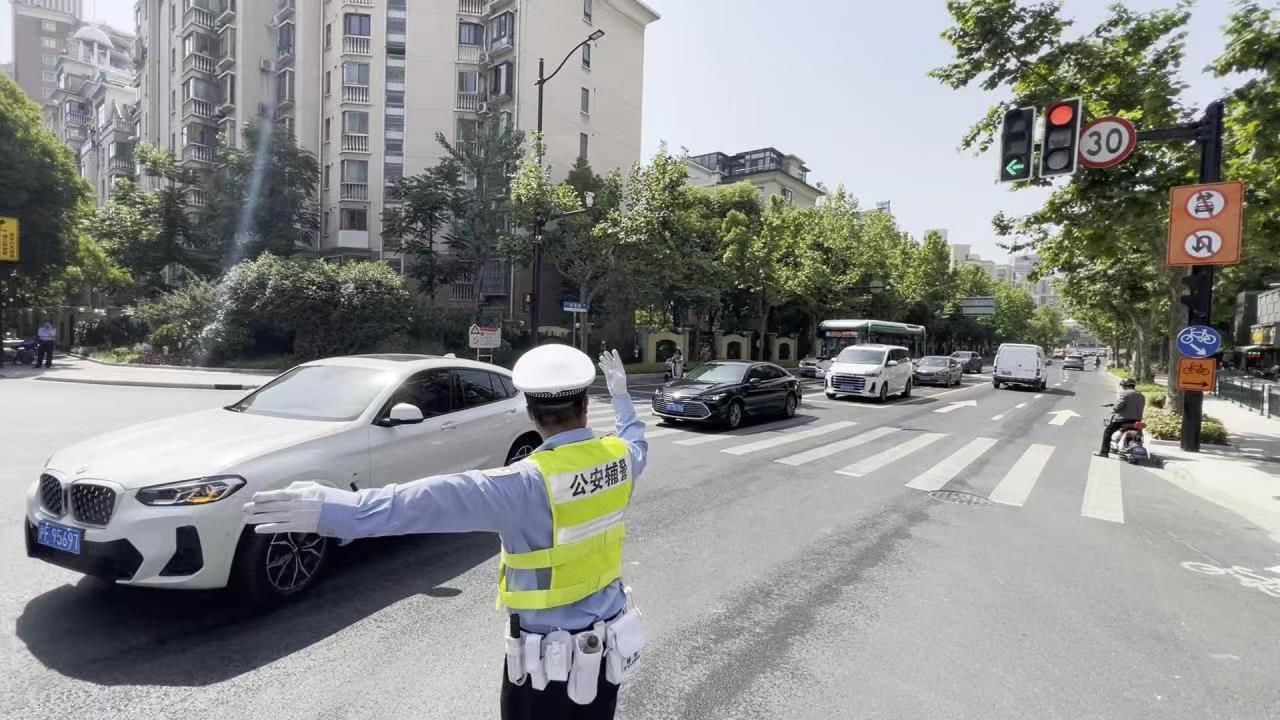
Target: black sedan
(970, 361)
(937, 370)
(727, 391)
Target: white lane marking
(956, 405)
(1021, 478)
(1275, 569)
(1061, 417)
(813, 395)
(707, 438)
(783, 439)
(1036, 397)
(649, 434)
(1019, 406)
(816, 403)
(875, 462)
(997, 417)
(941, 474)
(1103, 498)
(838, 446)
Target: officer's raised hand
(614, 374)
(295, 509)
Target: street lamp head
(876, 286)
(596, 35)
(590, 198)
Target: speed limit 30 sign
(1107, 142)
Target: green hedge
(1164, 425)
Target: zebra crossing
(877, 450)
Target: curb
(152, 384)
(193, 368)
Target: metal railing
(354, 142)
(198, 108)
(1247, 391)
(472, 7)
(354, 191)
(199, 17)
(197, 152)
(197, 197)
(355, 94)
(199, 62)
(121, 165)
(470, 54)
(469, 101)
(77, 118)
(356, 45)
(365, 3)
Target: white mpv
(873, 371)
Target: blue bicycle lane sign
(1198, 341)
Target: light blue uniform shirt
(511, 501)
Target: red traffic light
(1062, 114)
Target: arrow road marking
(956, 405)
(1036, 397)
(1062, 416)
(1019, 406)
(997, 417)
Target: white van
(1018, 364)
(875, 371)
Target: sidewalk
(70, 369)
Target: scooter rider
(572, 633)
(1127, 409)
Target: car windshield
(861, 356)
(933, 361)
(717, 373)
(961, 355)
(333, 393)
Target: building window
(500, 80)
(328, 36)
(582, 146)
(284, 87)
(787, 194)
(395, 74)
(325, 179)
(356, 25)
(355, 122)
(393, 172)
(328, 128)
(470, 34)
(394, 123)
(50, 76)
(395, 98)
(586, 10)
(173, 15)
(48, 42)
(173, 58)
(324, 223)
(585, 102)
(47, 92)
(49, 59)
(502, 30)
(468, 81)
(353, 219)
(355, 171)
(48, 26)
(586, 56)
(284, 39)
(355, 74)
(396, 26)
(328, 81)
(394, 146)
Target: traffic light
(1059, 146)
(1199, 301)
(1017, 135)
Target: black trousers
(44, 353)
(522, 702)
(1112, 426)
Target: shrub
(179, 317)
(1120, 372)
(110, 331)
(1164, 425)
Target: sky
(840, 83)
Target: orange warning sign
(1196, 373)
(1205, 224)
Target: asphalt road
(786, 570)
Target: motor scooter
(1129, 444)
(25, 353)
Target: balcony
(472, 7)
(472, 54)
(358, 94)
(120, 166)
(284, 10)
(227, 49)
(197, 107)
(356, 45)
(228, 14)
(500, 45)
(200, 63)
(197, 17)
(362, 3)
(354, 191)
(353, 142)
(197, 197)
(284, 55)
(469, 102)
(77, 118)
(195, 152)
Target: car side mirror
(891, 363)
(754, 381)
(404, 414)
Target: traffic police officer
(573, 635)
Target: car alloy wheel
(884, 392)
(906, 389)
(789, 409)
(292, 560)
(734, 418)
(522, 449)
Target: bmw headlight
(200, 491)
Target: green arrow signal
(1015, 167)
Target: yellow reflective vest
(588, 486)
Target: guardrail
(1247, 391)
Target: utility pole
(537, 228)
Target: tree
(262, 196)
(754, 255)
(1047, 327)
(428, 202)
(41, 188)
(1014, 312)
(925, 281)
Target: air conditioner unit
(484, 107)
(265, 65)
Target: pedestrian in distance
(573, 633)
(675, 365)
(47, 340)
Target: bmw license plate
(59, 537)
(675, 407)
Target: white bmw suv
(873, 371)
(159, 504)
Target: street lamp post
(536, 300)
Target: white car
(159, 504)
(1020, 364)
(875, 371)
(813, 367)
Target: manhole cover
(956, 497)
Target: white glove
(614, 374)
(295, 509)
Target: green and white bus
(836, 335)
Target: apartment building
(772, 171)
(93, 103)
(365, 85)
(42, 30)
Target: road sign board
(1198, 341)
(484, 337)
(1107, 142)
(9, 240)
(1205, 224)
(1196, 375)
(573, 306)
(977, 306)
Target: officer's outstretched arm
(465, 502)
(629, 426)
